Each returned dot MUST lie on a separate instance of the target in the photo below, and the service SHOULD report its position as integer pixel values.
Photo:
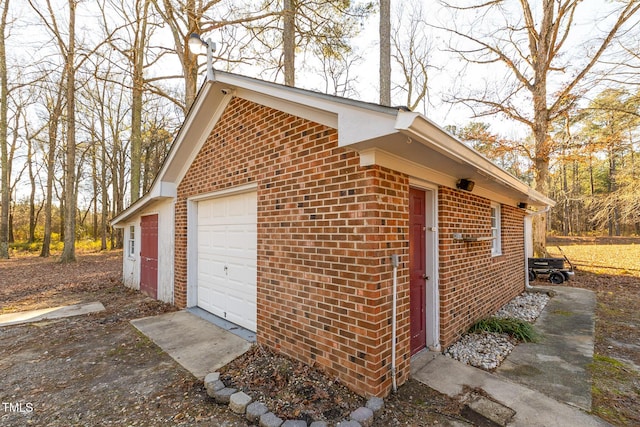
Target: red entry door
(149, 255)
(417, 269)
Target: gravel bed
(487, 350)
(526, 306)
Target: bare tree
(412, 51)
(322, 27)
(53, 99)
(132, 38)
(185, 17)
(530, 40)
(336, 71)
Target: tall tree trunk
(385, 52)
(289, 42)
(54, 120)
(94, 181)
(566, 220)
(32, 193)
(69, 251)
(142, 12)
(541, 163)
(105, 200)
(190, 62)
(4, 160)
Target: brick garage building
(282, 210)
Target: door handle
(425, 277)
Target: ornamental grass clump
(519, 329)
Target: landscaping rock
(255, 410)
(210, 378)
(363, 415)
(350, 423)
(238, 402)
(294, 423)
(319, 424)
(224, 395)
(214, 387)
(270, 420)
(376, 404)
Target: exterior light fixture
(197, 46)
(465, 184)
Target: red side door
(149, 255)
(417, 270)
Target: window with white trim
(132, 241)
(496, 232)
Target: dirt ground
(92, 369)
(616, 366)
(98, 370)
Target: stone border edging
(257, 412)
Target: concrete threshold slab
(532, 408)
(196, 344)
(59, 312)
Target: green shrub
(518, 329)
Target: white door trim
(431, 263)
(192, 234)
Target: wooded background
(93, 92)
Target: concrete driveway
(197, 344)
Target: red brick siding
(473, 284)
(326, 231)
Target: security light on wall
(197, 46)
(465, 184)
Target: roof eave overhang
(162, 190)
(361, 126)
(428, 150)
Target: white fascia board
(198, 129)
(416, 126)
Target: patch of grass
(562, 312)
(602, 259)
(610, 361)
(614, 388)
(519, 329)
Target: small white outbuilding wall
(131, 254)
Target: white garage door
(227, 257)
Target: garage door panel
(227, 257)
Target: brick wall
(326, 231)
(474, 284)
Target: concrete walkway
(50, 313)
(546, 383)
(557, 365)
(198, 345)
